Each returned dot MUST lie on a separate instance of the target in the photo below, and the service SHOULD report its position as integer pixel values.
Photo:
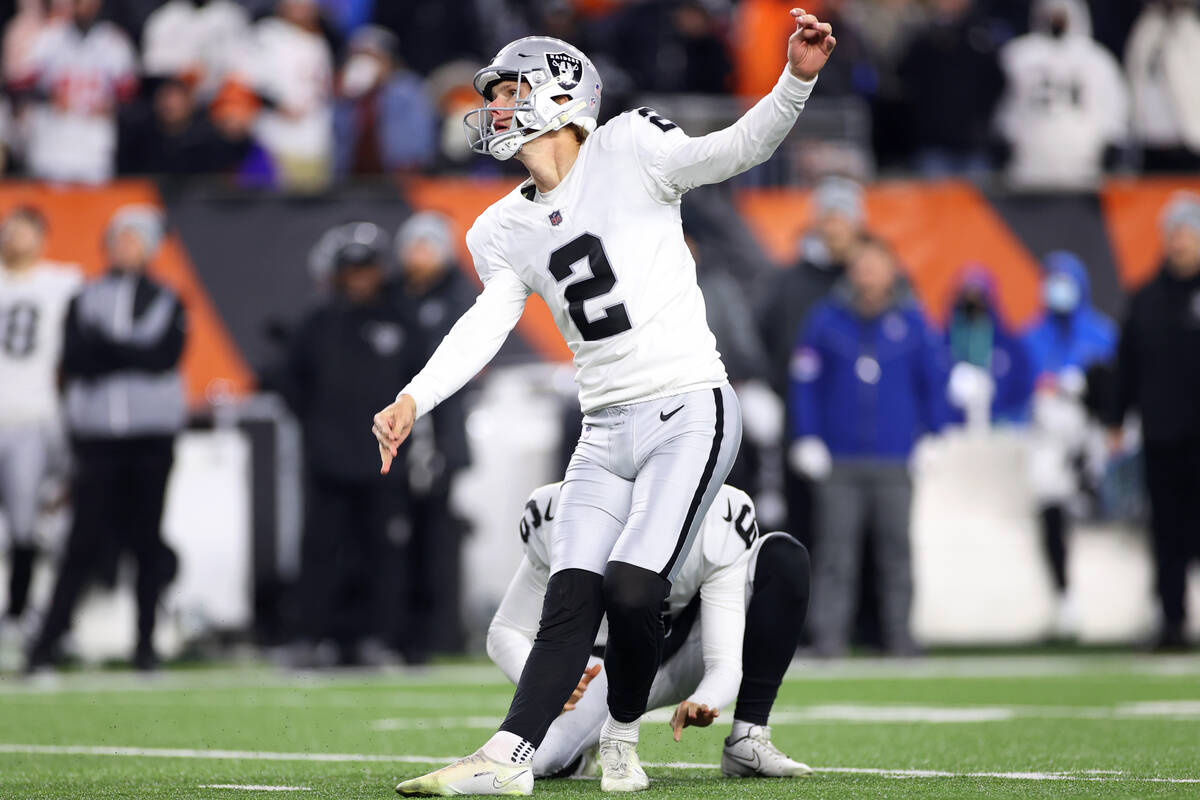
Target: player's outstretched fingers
(581, 688)
(385, 459)
(677, 720)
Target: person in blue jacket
(991, 361)
(868, 378)
(1070, 337)
(1071, 334)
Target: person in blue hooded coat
(1070, 337)
(1071, 334)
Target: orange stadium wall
(232, 293)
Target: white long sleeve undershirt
(515, 625)
(722, 628)
(718, 156)
(471, 343)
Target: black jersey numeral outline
(662, 123)
(746, 525)
(615, 318)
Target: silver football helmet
(553, 69)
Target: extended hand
(391, 428)
(692, 715)
(809, 46)
(577, 695)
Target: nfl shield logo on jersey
(566, 69)
(555, 217)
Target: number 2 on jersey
(615, 318)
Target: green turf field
(1019, 727)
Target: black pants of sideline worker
(118, 492)
(351, 580)
(1173, 483)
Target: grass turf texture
(1072, 726)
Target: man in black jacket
(1158, 373)
(345, 360)
(125, 404)
(437, 292)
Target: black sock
(1054, 529)
(774, 620)
(571, 616)
(20, 575)
(633, 599)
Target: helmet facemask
(535, 113)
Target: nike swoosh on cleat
(503, 784)
(665, 417)
(752, 764)
(729, 516)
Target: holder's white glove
(762, 413)
(810, 457)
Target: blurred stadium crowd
(298, 93)
(841, 373)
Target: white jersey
(181, 37)
(293, 67)
(605, 250)
(716, 569)
(74, 136)
(1066, 100)
(33, 305)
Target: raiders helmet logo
(566, 69)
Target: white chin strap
(502, 148)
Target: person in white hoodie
(1065, 101)
(1164, 75)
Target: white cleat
(620, 768)
(475, 774)
(754, 756)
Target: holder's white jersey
(605, 250)
(33, 305)
(716, 568)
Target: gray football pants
(25, 460)
(855, 497)
(641, 480)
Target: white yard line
(1095, 776)
(402, 678)
(219, 755)
(253, 788)
(1170, 710)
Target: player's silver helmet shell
(552, 68)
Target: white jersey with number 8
(33, 305)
